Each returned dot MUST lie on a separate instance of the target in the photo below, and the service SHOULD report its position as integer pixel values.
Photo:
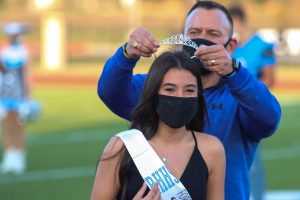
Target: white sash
(150, 166)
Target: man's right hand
(141, 43)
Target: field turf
(63, 145)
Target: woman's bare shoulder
(113, 147)
(209, 142)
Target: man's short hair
(210, 5)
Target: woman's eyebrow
(168, 84)
(191, 85)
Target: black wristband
(126, 54)
(230, 74)
(236, 66)
(124, 50)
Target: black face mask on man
(176, 111)
(191, 51)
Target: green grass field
(64, 144)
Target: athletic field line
(289, 152)
(51, 174)
(75, 137)
(89, 171)
(282, 195)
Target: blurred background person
(253, 51)
(258, 56)
(14, 89)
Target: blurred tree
(12, 3)
(261, 1)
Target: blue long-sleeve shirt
(241, 111)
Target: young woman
(170, 114)
(14, 88)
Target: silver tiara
(179, 39)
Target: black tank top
(194, 177)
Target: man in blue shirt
(241, 110)
(258, 57)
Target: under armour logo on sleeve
(216, 105)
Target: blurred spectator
(257, 55)
(14, 90)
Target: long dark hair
(144, 116)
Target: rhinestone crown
(179, 39)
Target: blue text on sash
(164, 179)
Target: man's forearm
(114, 83)
(259, 110)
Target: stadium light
(53, 35)
(134, 11)
(292, 37)
(127, 3)
(43, 4)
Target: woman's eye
(169, 89)
(191, 91)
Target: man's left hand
(215, 58)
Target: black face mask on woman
(176, 111)
(191, 51)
